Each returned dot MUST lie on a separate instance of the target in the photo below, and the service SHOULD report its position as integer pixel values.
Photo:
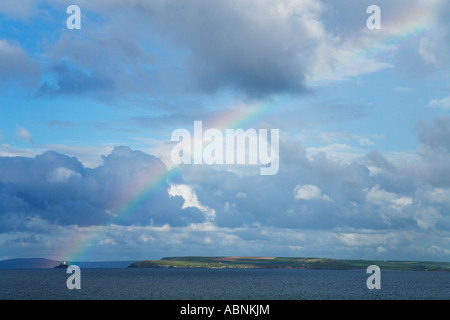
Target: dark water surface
(221, 284)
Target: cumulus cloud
(59, 189)
(249, 46)
(309, 192)
(333, 196)
(205, 209)
(381, 197)
(256, 48)
(191, 200)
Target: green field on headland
(288, 263)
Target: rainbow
(150, 183)
(155, 180)
(410, 23)
(352, 56)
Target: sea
(221, 284)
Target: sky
(87, 116)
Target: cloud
(71, 80)
(8, 151)
(443, 103)
(62, 175)
(252, 48)
(209, 209)
(434, 149)
(439, 195)
(59, 189)
(384, 198)
(309, 192)
(16, 65)
(24, 134)
(191, 200)
(434, 47)
(231, 45)
(27, 9)
(435, 136)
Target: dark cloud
(435, 150)
(17, 66)
(253, 48)
(59, 189)
(309, 195)
(372, 192)
(73, 81)
(435, 136)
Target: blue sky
(87, 116)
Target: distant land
(235, 262)
(33, 263)
(28, 263)
(288, 263)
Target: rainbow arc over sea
(410, 23)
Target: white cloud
(439, 195)
(191, 200)
(427, 217)
(8, 151)
(339, 152)
(427, 50)
(90, 156)
(374, 171)
(24, 134)
(381, 197)
(309, 192)
(443, 103)
(241, 195)
(62, 175)
(381, 249)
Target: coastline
(288, 263)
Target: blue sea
(221, 284)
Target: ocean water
(221, 284)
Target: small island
(288, 263)
(62, 265)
